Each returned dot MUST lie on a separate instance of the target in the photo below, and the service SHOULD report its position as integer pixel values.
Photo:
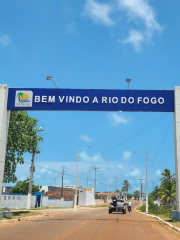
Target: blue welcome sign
(90, 100)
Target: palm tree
(126, 186)
(20, 94)
(167, 191)
(167, 176)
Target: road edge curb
(160, 219)
(20, 219)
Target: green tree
(126, 185)
(136, 194)
(22, 138)
(22, 187)
(154, 194)
(167, 176)
(117, 191)
(167, 191)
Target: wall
(50, 202)
(89, 198)
(82, 197)
(99, 202)
(16, 201)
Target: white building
(85, 196)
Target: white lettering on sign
(146, 100)
(104, 100)
(123, 100)
(131, 100)
(114, 100)
(51, 99)
(139, 100)
(71, 99)
(153, 100)
(44, 99)
(160, 100)
(95, 100)
(78, 99)
(85, 99)
(37, 99)
(61, 99)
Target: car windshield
(120, 200)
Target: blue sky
(95, 44)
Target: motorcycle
(129, 208)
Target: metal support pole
(30, 183)
(75, 196)
(95, 168)
(177, 147)
(108, 190)
(116, 183)
(141, 190)
(140, 196)
(4, 125)
(62, 184)
(146, 182)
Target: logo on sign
(23, 99)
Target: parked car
(117, 205)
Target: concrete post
(4, 125)
(177, 145)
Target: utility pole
(146, 178)
(75, 196)
(140, 197)
(108, 190)
(146, 182)
(87, 182)
(62, 184)
(30, 182)
(95, 168)
(55, 181)
(116, 183)
(31, 174)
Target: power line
(128, 138)
(161, 145)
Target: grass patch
(21, 214)
(163, 213)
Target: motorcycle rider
(129, 205)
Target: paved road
(94, 224)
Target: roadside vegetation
(21, 214)
(22, 187)
(166, 194)
(22, 138)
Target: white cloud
(4, 39)
(127, 155)
(43, 170)
(71, 28)
(23, 178)
(119, 166)
(135, 38)
(117, 119)
(87, 158)
(139, 10)
(99, 13)
(135, 172)
(158, 172)
(85, 138)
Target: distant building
(105, 196)
(6, 189)
(85, 196)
